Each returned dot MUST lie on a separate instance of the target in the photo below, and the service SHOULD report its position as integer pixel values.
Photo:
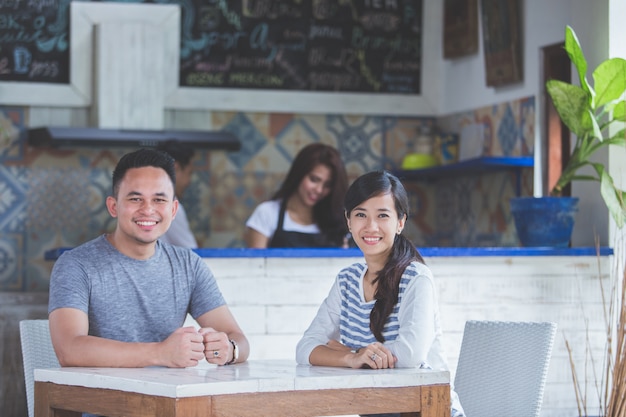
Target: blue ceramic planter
(544, 221)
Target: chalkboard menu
(312, 45)
(34, 41)
(307, 45)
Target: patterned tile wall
(55, 198)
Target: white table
(256, 388)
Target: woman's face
(374, 224)
(315, 185)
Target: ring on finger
(216, 354)
(374, 356)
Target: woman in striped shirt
(382, 313)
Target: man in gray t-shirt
(121, 299)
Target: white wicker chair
(502, 367)
(37, 352)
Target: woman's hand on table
(374, 356)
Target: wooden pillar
(129, 85)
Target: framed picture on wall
(460, 28)
(502, 38)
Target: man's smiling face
(144, 206)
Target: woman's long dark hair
(403, 252)
(327, 213)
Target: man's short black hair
(143, 158)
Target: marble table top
(247, 377)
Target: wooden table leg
(42, 403)
(187, 407)
(436, 401)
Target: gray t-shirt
(133, 300)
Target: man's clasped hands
(187, 346)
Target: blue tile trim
(53, 254)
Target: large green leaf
(609, 80)
(575, 53)
(572, 104)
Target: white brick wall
(274, 300)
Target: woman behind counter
(382, 313)
(307, 210)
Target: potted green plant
(590, 113)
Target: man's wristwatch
(235, 352)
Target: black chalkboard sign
(311, 45)
(372, 46)
(34, 41)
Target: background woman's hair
(181, 152)
(328, 212)
(403, 252)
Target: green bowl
(418, 161)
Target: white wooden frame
(78, 93)
(83, 17)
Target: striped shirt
(354, 324)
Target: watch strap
(235, 352)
